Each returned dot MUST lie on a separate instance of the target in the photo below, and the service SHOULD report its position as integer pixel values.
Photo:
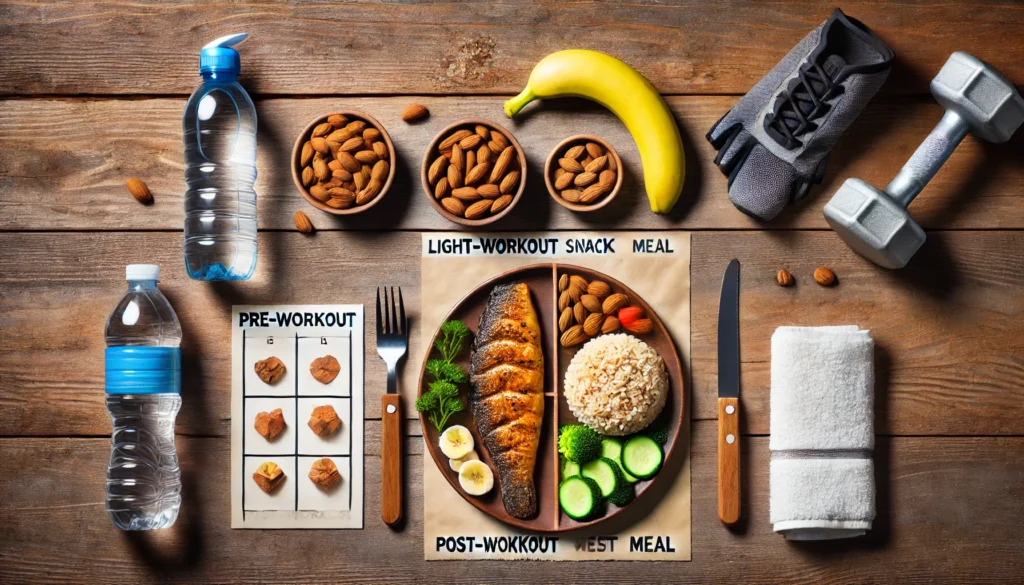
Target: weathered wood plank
(949, 356)
(459, 47)
(63, 164)
(947, 326)
(949, 510)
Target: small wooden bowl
(432, 153)
(552, 164)
(297, 159)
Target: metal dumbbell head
(873, 224)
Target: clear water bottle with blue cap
(143, 382)
(219, 128)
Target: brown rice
(616, 384)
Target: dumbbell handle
(928, 158)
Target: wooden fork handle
(391, 460)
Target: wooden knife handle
(391, 460)
(729, 460)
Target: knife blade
(729, 396)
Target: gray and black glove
(774, 143)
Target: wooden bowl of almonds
(343, 163)
(474, 172)
(583, 173)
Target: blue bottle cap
(143, 370)
(218, 56)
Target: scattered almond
(139, 190)
(824, 276)
(415, 113)
(784, 278)
(302, 222)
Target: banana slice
(476, 478)
(456, 464)
(456, 441)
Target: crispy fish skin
(507, 377)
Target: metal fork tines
(392, 334)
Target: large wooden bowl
(542, 280)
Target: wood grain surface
(466, 47)
(945, 515)
(77, 182)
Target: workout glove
(774, 143)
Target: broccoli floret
(579, 443)
(658, 433)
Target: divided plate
(543, 282)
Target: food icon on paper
(325, 369)
(324, 421)
(324, 473)
(269, 476)
(270, 370)
(270, 424)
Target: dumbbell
(876, 223)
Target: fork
(392, 343)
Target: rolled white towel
(822, 432)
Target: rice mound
(616, 384)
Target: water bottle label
(143, 370)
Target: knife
(729, 396)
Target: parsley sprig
(442, 399)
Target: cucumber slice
(612, 449)
(642, 456)
(570, 468)
(579, 497)
(605, 473)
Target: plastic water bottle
(219, 128)
(143, 380)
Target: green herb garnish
(442, 399)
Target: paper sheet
(296, 334)
(656, 265)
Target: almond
(458, 159)
(454, 176)
(502, 165)
(597, 164)
(322, 129)
(367, 157)
(465, 194)
(341, 174)
(607, 178)
(340, 193)
(436, 169)
(319, 145)
(578, 281)
(509, 182)
(563, 300)
(352, 144)
(584, 179)
(610, 325)
(339, 136)
(139, 190)
(587, 161)
(483, 154)
(488, 191)
(613, 303)
(349, 162)
(381, 150)
(592, 326)
(337, 120)
(366, 195)
(302, 222)
(576, 292)
(574, 152)
(334, 165)
(499, 139)
(573, 336)
(482, 131)
(611, 164)
(454, 138)
(641, 326)
(319, 193)
(594, 149)
(380, 170)
(334, 182)
(501, 203)
(453, 206)
(579, 313)
(565, 319)
(479, 171)
(593, 193)
(564, 180)
(371, 134)
(494, 147)
(471, 141)
(441, 188)
(320, 170)
(470, 161)
(307, 154)
(478, 209)
(563, 282)
(414, 113)
(342, 202)
(570, 165)
(571, 195)
(355, 127)
(592, 303)
(307, 176)
(599, 288)
(824, 276)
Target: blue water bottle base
(217, 272)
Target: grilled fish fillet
(507, 377)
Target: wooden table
(93, 94)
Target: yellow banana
(621, 89)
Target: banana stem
(517, 103)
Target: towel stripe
(822, 454)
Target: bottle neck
(141, 285)
(219, 76)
